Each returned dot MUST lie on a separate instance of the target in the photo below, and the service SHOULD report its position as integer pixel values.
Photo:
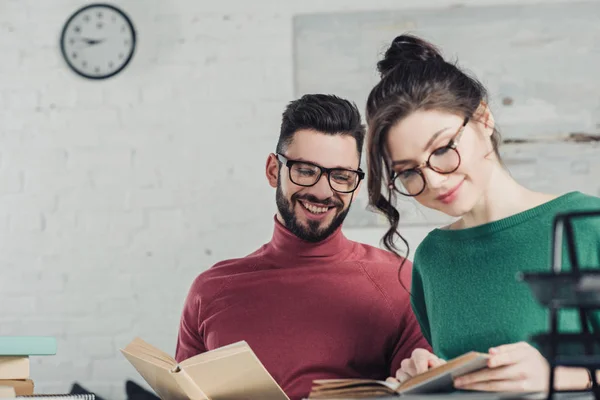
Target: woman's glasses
(444, 160)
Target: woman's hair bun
(408, 49)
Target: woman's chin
(455, 210)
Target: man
(310, 303)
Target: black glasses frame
(452, 145)
(289, 163)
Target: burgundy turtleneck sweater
(333, 309)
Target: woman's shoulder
(581, 201)
(576, 202)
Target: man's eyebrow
(428, 145)
(312, 162)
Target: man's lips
(318, 203)
(317, 210)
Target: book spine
(22, 387)
(189, 387)
(14, 367)
(27, 346)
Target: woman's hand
(516, 367)
(420, 361)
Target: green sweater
(464, 288)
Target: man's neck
(286, 244)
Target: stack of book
(15, 355)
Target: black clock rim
(127, 60)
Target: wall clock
(98, 41)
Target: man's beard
(313, 232)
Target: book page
(137, 346)
(351, 388)
(157, 375)
(236, 373)
(327, 384)
(225, 351)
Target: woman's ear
(484, 116)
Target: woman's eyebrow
(428, 145)
(435, 136)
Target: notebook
(67, 396)
(10, 394)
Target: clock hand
(92, 41)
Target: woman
(432, 136)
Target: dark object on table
(578, 289)
(136, 392)
(78, 389)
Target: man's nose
(321, 189)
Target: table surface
(487, 396)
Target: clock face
(98, 41)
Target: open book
(229, 372)
(437, 379)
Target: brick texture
(114, 195)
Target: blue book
(27, 346)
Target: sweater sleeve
(417, 301)
(189, 339)
(411, 336)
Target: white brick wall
(114, 195)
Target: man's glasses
(303, 173)
(444, 160)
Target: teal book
(27, 346)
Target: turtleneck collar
(285, 244)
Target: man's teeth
(315, 209)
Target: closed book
(14, 367)
(27, 346)
(23, 387)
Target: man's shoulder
(382, 264)
(389, 273)
(219, 272)
(376, 255)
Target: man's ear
(272, 170)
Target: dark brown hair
(323, 113)
(414, 76)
